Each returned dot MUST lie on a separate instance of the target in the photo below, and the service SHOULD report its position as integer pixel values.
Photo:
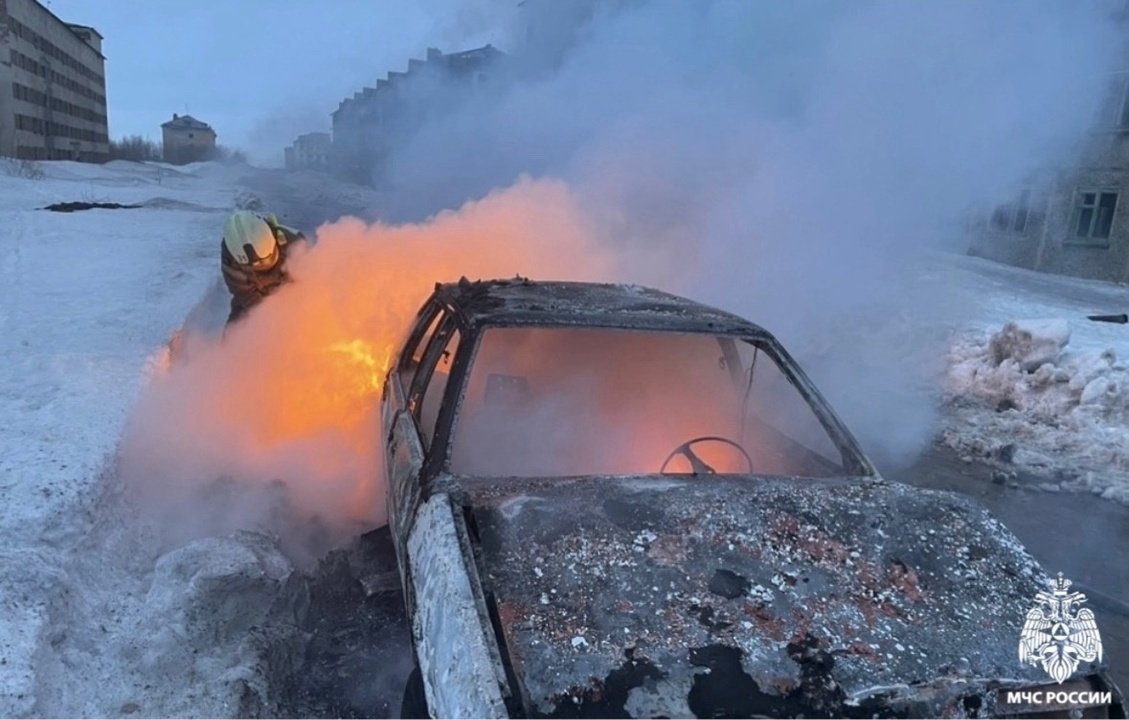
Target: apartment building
(368, 126)
(310, 151)
(52, 86)
(1073, 219)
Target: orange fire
(292, 392)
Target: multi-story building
(369, 125)
(52, 86)
(309, 152)
(186, 139)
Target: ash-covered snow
(1021, 396)
(1030, 343)
(1049, 396)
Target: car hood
(723, 595)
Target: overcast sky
(262, 71)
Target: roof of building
(185, 122)
(72, 27)
(313, 138)
(485, 51)
(86, 28)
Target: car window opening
(552, 402)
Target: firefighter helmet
(251, 241)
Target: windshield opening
(551, 402)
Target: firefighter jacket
(249, 286)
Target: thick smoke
(790, 162)
(787, 161)
(277, 427)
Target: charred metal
(687, 594)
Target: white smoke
(786, 161)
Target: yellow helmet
(251, 241)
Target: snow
(87, 299)
(97, 622)
(1030, 343)
(1048, 396)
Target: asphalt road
(1082, 536)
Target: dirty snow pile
(94, 620)
(1021, 395)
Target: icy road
(97, 622)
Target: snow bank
(203, 631)
(1019, 396)
(209, 602)
(1030, 343)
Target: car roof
(520, 301)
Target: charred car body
(611, 501)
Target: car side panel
(404, 460)
(459, 673)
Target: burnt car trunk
(740, 596)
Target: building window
(1113, 109)
(1093, 216)
(1123, 114)
(1013, 217)
(1001, 218)
(1019, 223)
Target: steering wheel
(697, 465)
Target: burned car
(609, 501)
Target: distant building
(1073, 220)
(309, 152)
(186, 139)
(52, 86)
(367, 126)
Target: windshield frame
(438, 460)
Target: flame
(292, 392)
(369, 359)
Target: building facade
(309, 152)
(1073, 220)
(185, 139)
(368, 126)
(52, 86)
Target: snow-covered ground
(1033, 384)
(87, 300)
(94, 622)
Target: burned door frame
(452, 638)
(404, 458)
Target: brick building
(185, 139)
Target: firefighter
(253, 258)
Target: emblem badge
(1058, 634)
